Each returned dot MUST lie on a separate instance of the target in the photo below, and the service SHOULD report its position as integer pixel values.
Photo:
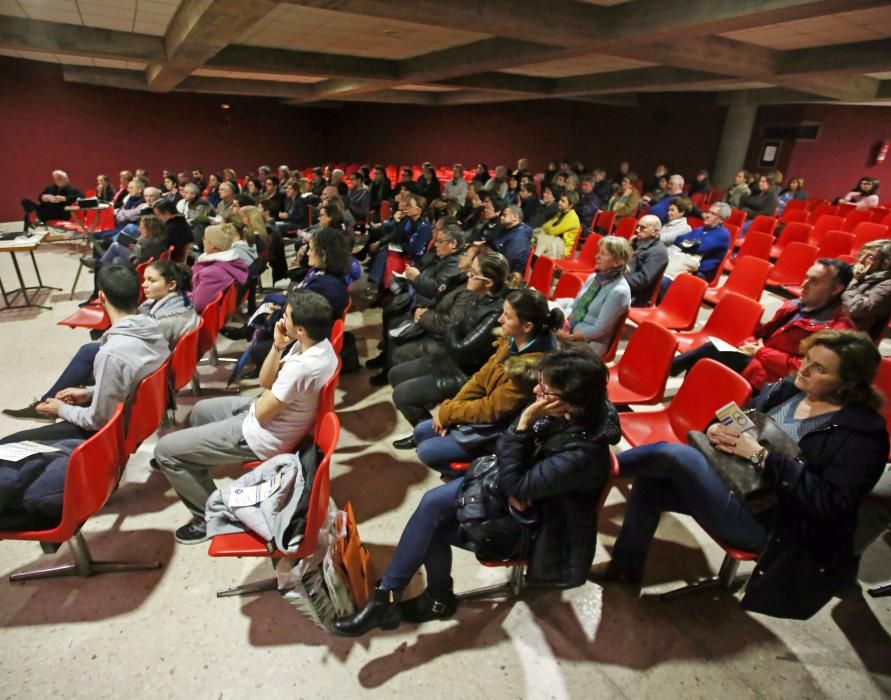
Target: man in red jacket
(773, 351)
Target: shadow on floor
(381, 469)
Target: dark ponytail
(174, 272)
(531, 306)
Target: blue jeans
(79, 371)
(428, 537)
(117, 253)
(679, 479)
(439, 451)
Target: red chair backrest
(796, 205)
(793, 263)
(793, 215)
(683, 298)
(337, 335)
(184, 359)
(166, 254)
(836, 243)
(626, 227)
(140, 271)
(853, 218)
(613, 348)
(821, 210)
(737, 217)
(326, 397)
(794, 231)
(878, 214)
(695, 222)
(707, 387)
(646, 362)
(590, 248)
(568, 285)
(327, 437)
(824, 224)
(228, 305)
(734, 318)
(756, 244)
(147, 409)
(763, 223)
(603, 223)
(865, 232)
(814, 202)
(542, 273)
(211, 326)
(719, 271)
(748, 277)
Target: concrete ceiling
(465, 51)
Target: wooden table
(23, 245)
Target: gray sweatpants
(187, 456)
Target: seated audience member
(702, 184)
(674, 191)
(497, 184)
(339, 183)
(253, 188)
(648, 262)
(593, 316)
(128, 219)
(626, 201)
(419, 385)
(152, 243)
(166, 286)
(602, 187)
(868, 297)
(652, 196)
(677, 224)
(865, 195)
(622, 173)
(271, 193)
(589, 203)
(805, 541)
(761, 203)
(124, 178)
(131, 349)
(455, 190)
(531, 205)
(772, 352)
(317, 182)
(558, 235)
(212, 192)
(52, 200)
(179, 233)
(131, 205)
(739, 190)
(170, 188)
(230, 176)
(381, 189)
(428, 185)
(225, 202)
(701, 251)
(795, 190)
(489, 221)
(218, 267)
(500, 388)
(293, 214)
(196, 211)
(482, 175)
(659, 173)
(104, 190)
(512, 238)
(229, 429)
(554, 458)
(404, 244)
(358, 198)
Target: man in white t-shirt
(234, 429)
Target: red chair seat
(679, 307)
(642, 428)
(241, 544)
(92, 317)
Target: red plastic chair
(793, 264)
(585, 262)
(796, 205)
(747, 278)
(569, 285)
(249, 545)
(865, 232)
(92, 317)
(211, 326)
(626, 228)
(821, 210)
(639, 376)
(679, 307)
(854, 217)
(166, 254)
(813, 202)
(228, 306)
(542, 274)
(91, 477)
(795, 231)
(836, 243)
(707, 387)
(184, 359)
(737, 217)
(337, 335)
(613, 348)
(877, 215)
(147, 409)
(695, 222)
(768, 224)
(791, 216)
(824, 225)
(603, 222)
(734, 236)
(756, 245)
(733, 320)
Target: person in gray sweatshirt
(130, 350)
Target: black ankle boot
(429, 606)
(381, 610)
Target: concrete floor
(165, 634)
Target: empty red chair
(707, 387)
(796, 204)
(877, 215)
(626, 228)
(733, 320)
(865, 232)
(824, 224)
(757, 245)
(793, 264)
(768, 224)
(147, 409)
(821, 210)
(699, 199)
(542, 274)
(92, 317)
(835, 244)
(813, 202)
(845, 208)
(853, 218)
(586, 260)
(747, 278)
(886, 221)
(603, 222)
(790, 216)
(679, 307)
(569, 285)
(795, 231)
(737, 217)
(640, 375)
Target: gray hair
(453, 234)
(60, 173)
(140, 186)
(191, 187)
(724, 209)
(676, 180)
(516, 210)
(337, 171)
(152, 191)
(652, 220)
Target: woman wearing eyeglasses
(553, 460)
(868, 297)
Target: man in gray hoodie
(131, 349)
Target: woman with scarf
(594, 315)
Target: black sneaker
(379, 379)
(192, 533)
(378, 362)
(27, 413)
(88, 262)
(406, 443)
(243, 333)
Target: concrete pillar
(737, 132)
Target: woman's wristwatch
(758, 458)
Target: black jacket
(562, 468)
(546, 213)
(179, 234)
(380, 192)
(809, 553)
(468, 342)
(645, 270)
(433, 278)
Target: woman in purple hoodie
(218, 267)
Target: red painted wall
(85, 130)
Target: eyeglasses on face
(543, 392)
(472, 274)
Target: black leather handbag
(740, 475)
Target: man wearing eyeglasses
(701, 251)
(648, 262)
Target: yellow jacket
(567, 228)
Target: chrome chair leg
(725, 579)
(269, 584)
(510, 588)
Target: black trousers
(736, 361)
(62, 430)
(46, 211)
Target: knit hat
(220, 236)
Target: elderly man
(497, 184)
(227, 201)
(675, 190)
(773, 351)
(701, 251)
(648, 262)
(359, 197)
(337, 181)
(456, 188)
(52, 201)
(136, 203)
